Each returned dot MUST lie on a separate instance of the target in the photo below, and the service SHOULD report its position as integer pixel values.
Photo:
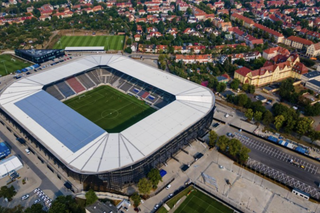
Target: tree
(303, 126)
(245, 87)
(35, 208)
(144, 186)
(66, 204)
(222, 142)
(267, 118)
(278, 121)
(212, 138)
(244, 154)
(235, 84)
(128, 50)
(258, 116)
(234, 147)
(221, 87)
(8, 192)
(91, 197)
(251, 89)
(314, 135)
(242, 99)
(154, 176)
(249, 114)
(136, 199)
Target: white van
(27, 151)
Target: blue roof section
(65, 124)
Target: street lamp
(5, 66)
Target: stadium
(56, 109)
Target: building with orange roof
(191, 59)
(297, 42)
(247, 22)
(313, 50)
(272, 71)
(274, 51)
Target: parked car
(24, 197)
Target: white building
(9, 165)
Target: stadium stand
(144, 95)
(152, 98)
(54, 92)
(75, 85)
(126, 86)
(134, 90)
(141, 93)
(160, 103)
(83, 78)
(65, 89)
(94, 76)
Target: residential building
(191, 59)
(313, 50)
(274, 51)
(272, 71)
(297, 42)
(314, 75)
(313, 85)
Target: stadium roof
(94, 150)
(94, 48)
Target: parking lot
(276, 153)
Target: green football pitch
(197, 202)
(11, 63)
(109, 108)
(109, 42)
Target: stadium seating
(94, 76)
(126, 86)
(65, 89)
(83, 78)
(152, 95)
(160, 103)
(54, 92)
(75, 85)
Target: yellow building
(272, 71)
(297, 42)
(313, 50)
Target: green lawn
(197, 202)
(109, 42)
(109, 108)
(11, 64)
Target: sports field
(109, 108)
(11, 64)
(198, 202)
(109, 42)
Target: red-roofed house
(297, 42)
(247, 22)
(274, 51)
(272, 72)
(191, 59)
(313, 50)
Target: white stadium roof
(93, 48)
(105, 151)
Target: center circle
(110, 113)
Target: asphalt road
(278, 164)
(284, 166)
(46, 183)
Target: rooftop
(33, 52)
(312, 74)
(97, 151)
(300, 40)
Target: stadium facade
(80, 147)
